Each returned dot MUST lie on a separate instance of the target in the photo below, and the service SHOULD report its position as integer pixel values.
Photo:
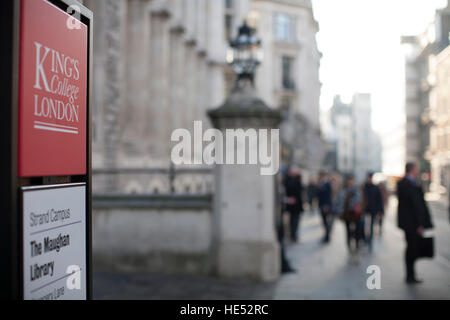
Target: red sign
(52, 92)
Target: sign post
(45, 173)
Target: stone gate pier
(244, 237)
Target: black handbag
(426, 247)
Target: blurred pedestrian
(325, 204)
(413, 218)
(385, 197)
(311, 192)
(294, 201)
(372, 206)
(279, 191)
(336, 185)
(348, 207)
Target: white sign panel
(54, 242)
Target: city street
(150, 147)
(327, 272)
(323, 272)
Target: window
(284, 27)
(228, 4)
(228, 19)
(228, 27)
(286, 78)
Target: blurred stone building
(356, 148)
(367, 149)
(160, 65)
(289, 76)
(418, 51)
(342, 136)
(439, 152)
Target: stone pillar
(159, 85)
(190, 79)
(190, 22)
(202, 76)
(136, 116)
(191, 60)
(245, 242)
(203, 89)
(176, 9)
(113, 99)
(216, 52)
(201, 25)
(177, 75)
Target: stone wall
(168, 235)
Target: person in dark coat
(311, 192)
(293, 199)
(279, 192)
(373, 206)
(324, 196)
(385, 197)
(413, 217)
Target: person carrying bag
(415, 220)
(348, 205)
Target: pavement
(442, 225)
(329, 272)
(114, 286)
(323, 271)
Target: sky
(360, 43)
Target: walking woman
(348, 206)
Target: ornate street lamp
(245, 54)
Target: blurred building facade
(160, 65)
(368, 148)
(439, 152)
(355, 147)
(419, 50)
(289, 76)
(342, 136)
(166, 60)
